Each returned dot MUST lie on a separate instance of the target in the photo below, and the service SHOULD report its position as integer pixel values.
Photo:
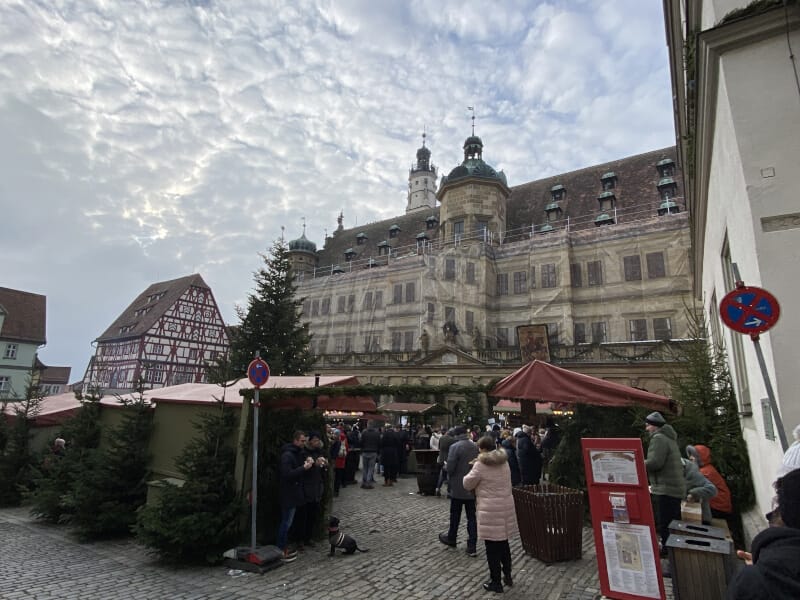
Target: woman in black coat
(508, 445)
(529, 458)
(391, 447)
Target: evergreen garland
(403, 392)
(271, 323)
(198, 521)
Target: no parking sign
(749, 309)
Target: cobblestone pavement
(398, 526)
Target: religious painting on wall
(533, 343)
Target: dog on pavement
(339, 539)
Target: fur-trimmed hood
(493, 458)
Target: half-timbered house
(165, 337)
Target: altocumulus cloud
(142, 141)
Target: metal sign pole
(254, 492)
(773, 405)
(753, 310)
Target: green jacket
(663, 464)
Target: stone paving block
(398, 526)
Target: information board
(622, 519)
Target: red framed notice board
(622, 519)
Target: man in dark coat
(370, 445)
(528, 457)
(313, 488)
(293, 465)
(458, 464)
(775, 572)
(445, 442)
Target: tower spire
(472, 108)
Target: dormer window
(431, 222)
(337, 270)
(553, 212)
(557, 192)
(609, 181)
(422, 237)
(604, 219)
(349, 254)
(607, 201)
(371, 263)
(361, 238)
(667, 188)
(666, 167)
(394, 230)
(384, 248)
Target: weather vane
(472, 108)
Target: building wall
(173, 350)
(19, 370)
(743, 195)
(751, 191)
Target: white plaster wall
(765, 104)
(757, 127)
(714, 10)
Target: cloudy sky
(146, 140)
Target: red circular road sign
(258, 372)
(749, 309)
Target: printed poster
(630, 563)
(614, 466)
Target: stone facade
(602, 264)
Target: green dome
(302, 244)
(473, 165)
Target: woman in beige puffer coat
(490, 478)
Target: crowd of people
(480, 468)
(772, 568)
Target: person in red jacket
(721, 504)
(339, 451)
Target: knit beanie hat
(655, 418)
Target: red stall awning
(543, 382)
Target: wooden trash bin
(700, 567)
(550, 519)
(691, 529)
(427, 470)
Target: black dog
(340, 540)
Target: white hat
(791, 460)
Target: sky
(142, 141)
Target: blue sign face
(258, 373)
(749, 310)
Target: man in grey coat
(459, 459)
